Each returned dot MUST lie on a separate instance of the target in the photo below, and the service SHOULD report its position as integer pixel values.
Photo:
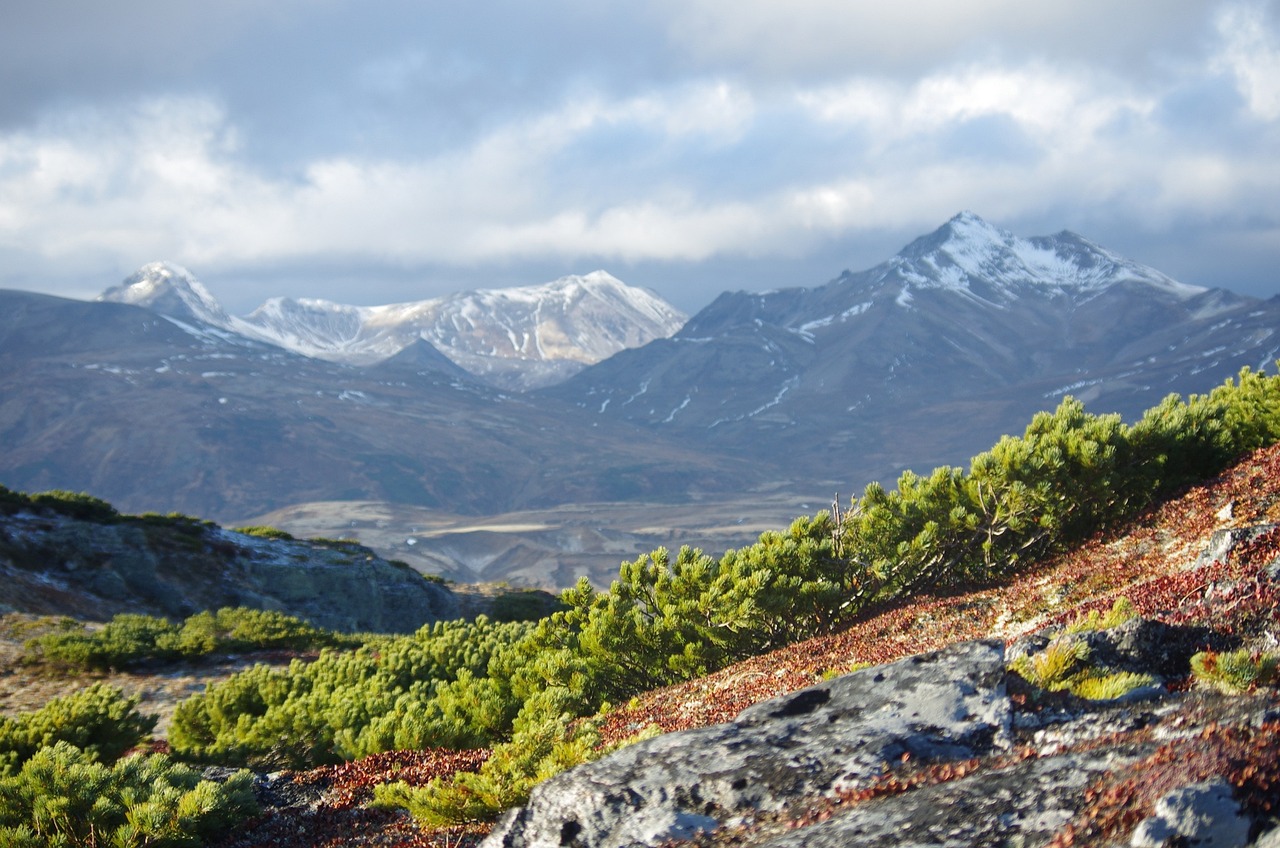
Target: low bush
(1235, 672)
(448, 685)
(130, 639)
(63, 796)
(1122, 610)
(76, 505)
(264, 533)
(98, 720)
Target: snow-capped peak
(169, 289)
(968, 249)
(520, 337)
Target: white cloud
(1048, 105)
(1251, 52)
(790, 166)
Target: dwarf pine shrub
(98, 720)
(1122, 610)
(1235, 672)
(63, 796)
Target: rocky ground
(1201, 564)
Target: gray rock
(1143, 645)
(950, 704)
(1025, 804)
(1202, 814)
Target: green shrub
(1064, 666)
(62, 796)
(530, 605)
(130, 639)
(1235, 672)
(1055, 668)
(99, 720)
(439, 687)
(264, 533)
(76, 505)
(1108, 687)
(503, 781)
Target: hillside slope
(96, 566)
(1198, 562)
(943, 745)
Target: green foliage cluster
(131, 639)
(63, 796)
(670, 618)
(529, 605)
(504, 781)
(1070, 475)
(446, 685)
(62, 782)
(84, 507)
(98, 720)
(1064, 666)
(1122, 610)
(1235, 672)
(264, 532)
(76, 505)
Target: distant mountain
(155, 413)
(779, 397)
(516, 338)
(170, 290)
(923, 359)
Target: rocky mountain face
(153, 413)
(961, 336)
(164, 402)
(515, 338)
(59, 565)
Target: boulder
(840, 735)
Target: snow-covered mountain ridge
(518, 338)
(967, 252)
(968, 329)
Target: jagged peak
(170, 289)
(968, 248)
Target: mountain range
(515, 338)
(921, 360)
(156, 398)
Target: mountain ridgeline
(922, 359)
(162, 401)
(516, 338)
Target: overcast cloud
(383, 151)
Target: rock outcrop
(55, 564)
(937, 749)
(839, 736)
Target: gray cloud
(295, 148)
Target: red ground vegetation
(1148, 561)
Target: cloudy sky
(392, 150)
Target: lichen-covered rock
(840, 735)
(1025, 804)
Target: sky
(394, 150)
